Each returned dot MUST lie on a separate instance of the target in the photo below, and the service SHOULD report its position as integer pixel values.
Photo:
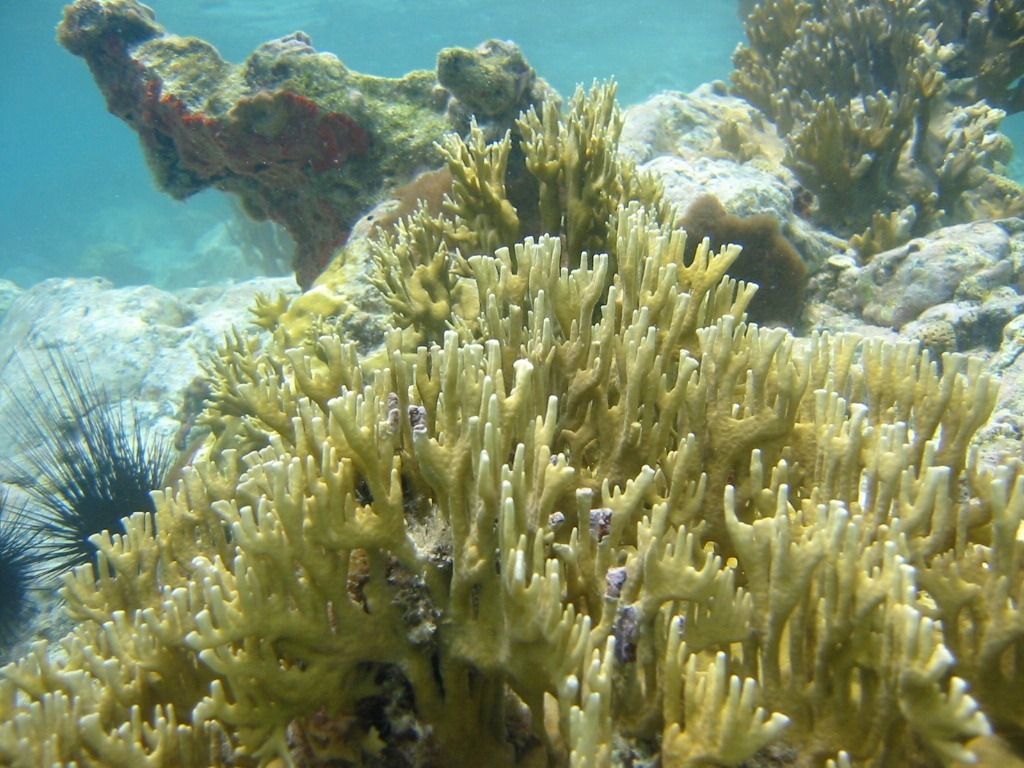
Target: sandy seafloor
(78, 199)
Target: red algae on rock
(299, 137)
(277, 139)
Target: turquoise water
(76, 194)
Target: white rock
(141, 344)
(897, 286)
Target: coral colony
(888, 110)
(516, 483)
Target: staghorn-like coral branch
(602, 520)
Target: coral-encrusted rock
(302, 139)
(492, 83)
(270, 134)
(278, 137)
(968, 325)
(897, 286)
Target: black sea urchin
(86, 462)
(19, 561)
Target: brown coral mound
(768, 259)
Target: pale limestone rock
(898, 285)
(142, 344)
(744, 189)
(685, 124)
(678, 138)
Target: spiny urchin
(19, 562)
(87, 462)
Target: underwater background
(533, 477)
(78, 199)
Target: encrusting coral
(598, 520)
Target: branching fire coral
(601, 521)
(881, 104)
(576, 181)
